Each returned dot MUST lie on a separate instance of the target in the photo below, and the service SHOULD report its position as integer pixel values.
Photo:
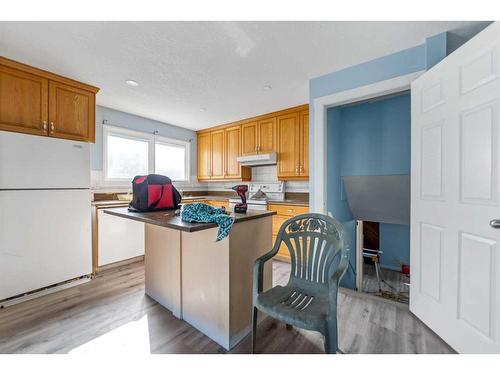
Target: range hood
(257, 159)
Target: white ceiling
(221, 66)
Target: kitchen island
(206, 283)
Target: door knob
(495, 223)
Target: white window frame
(141, 136)
(174, 142)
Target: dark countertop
(219, 198)
(291, 202)
(108, 203)
(169, 220)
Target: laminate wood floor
(111, 314)
(393, 288)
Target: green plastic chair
(319, 259)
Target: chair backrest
(314, 242)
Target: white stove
(259, 193)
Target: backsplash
(270, 173)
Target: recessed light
(203, 109)
(132, 83)
(267, 88)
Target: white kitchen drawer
(118, 238)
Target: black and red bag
(153, 192)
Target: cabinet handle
(45, 125)
(297, 169)
(52, 127)
(301, 169)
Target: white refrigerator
(45, 213)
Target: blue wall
(133, 122)
(411, 60)
(371, 139)
(404, 62)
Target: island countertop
(168, 218)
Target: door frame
(318, 201)
(318, 147)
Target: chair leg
(331, 341)
(254, 328)
(289, 327)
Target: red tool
(241, 208)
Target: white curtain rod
(155, 132)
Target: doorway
(368, 154)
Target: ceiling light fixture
(267, 88)
(132, 83)
(203, 109)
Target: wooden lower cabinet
(219, 204)
(189, 201)
(216, 203)
(284, 212)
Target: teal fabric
(204, 213)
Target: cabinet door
(71, 112)
(204, 156)
(23, 102)
(217, 154)
(232, 151)
(304, 144)
(249, 138)
(267, 135)
(288, 145)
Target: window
(129, 153)
(170, 160)
(126, 157)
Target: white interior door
(455, 254)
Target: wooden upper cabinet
(285, 132)
(23, 101)
(204, 156)
(217, 154)
(232, 151)
(288, 145)
(71, 112)
(249, 138)
(217, 138)
(38, 102)
(259, 137)
(266, 132)
(304, 144)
